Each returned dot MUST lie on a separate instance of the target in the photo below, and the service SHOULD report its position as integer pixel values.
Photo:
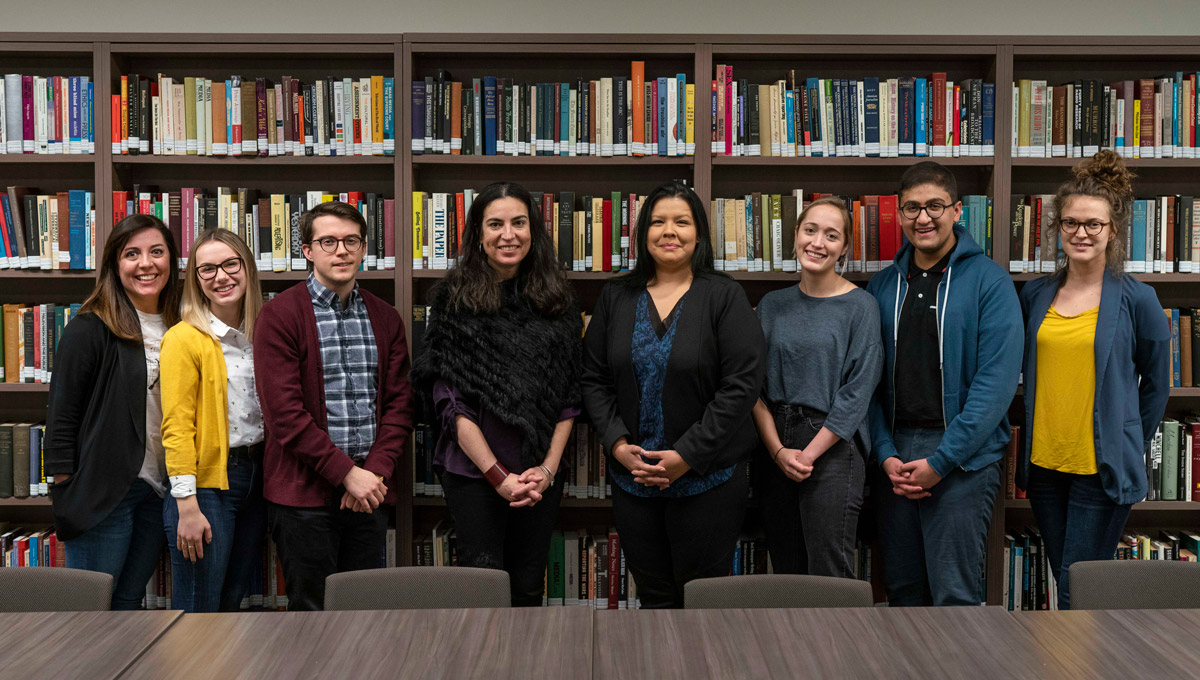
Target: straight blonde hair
(196, 307)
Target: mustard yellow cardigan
(195, 426)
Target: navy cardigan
(1133, 378)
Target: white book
(3, 121)
(365, 145)
(338, 147)
(1016, 122)
(167, 117)
(511, 146)
(672, 117)
(41, 144)
(201, 123)
(347, 148)
(12, 115)
(63, 111)
(573, 136)
(893, 116)
(90, 212)
(604, 113)
(205, 142)
(618, 97)
(860, 148)
(438, 234)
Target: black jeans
(491, 535)
(316, 542)
(811, 526)
(670, 541)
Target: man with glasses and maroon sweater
(332, 376)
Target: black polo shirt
(918, 375)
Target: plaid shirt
(350, 364)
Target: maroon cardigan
(301, 465)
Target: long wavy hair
(702, 256)
(474, 285)
(196, 305)
(109, 301)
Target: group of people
(694, 395)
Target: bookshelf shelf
(1139, 163)
(1148, 278)
(517, 161)
(1144, 506)
(32, 502)
(33, 274)
(245, 161)
(855, 161)
(49, 159)
(24, 387)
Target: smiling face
(335, 270)
(1082, 248)
(821, 239)
(671, 237)
(224, 290)
(932, 236)
(506, 235)
(144, 265)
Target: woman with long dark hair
(501, 358)
(103, 441)
(673, 365)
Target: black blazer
(714, 375)
(95, 424)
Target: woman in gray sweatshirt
(824, 356)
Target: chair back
(417, 588)
(1135, 584)
(54, 589)
(782, 591)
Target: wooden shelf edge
(69, 159)
(1147, 278)
(24, 387)
(1143, 163)
(854, 161)
(442, 159)
(1144, 506)
(249, 161)
(33, 502)
(43, 274)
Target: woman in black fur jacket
(501, 361)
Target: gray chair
(1135, 584)
(418, 588)
(54, 589)
(776, 591)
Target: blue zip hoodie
(981, 332)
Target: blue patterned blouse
(652, 340)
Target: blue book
(989, 119)
(75, 120)
(1137, 250)
(789, 107)
(564, 117)
(1175, 375)
(418, 117)
(816, 148)
(871, 115)
(737, 559)
(921, 130)
(904, 116)
(389, 117)
(489, 116)
(229, 120)
(11, 228)
(662, 116)
(1175, 122)
(851, 99)
(77, 223)
(681, 117)
(91, 118)
(35, 479)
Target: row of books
(30, 334)
(871, 117)
(177, 116)
(269, 222)
(38, 547)
(1164, 235)
(21, 471)
(610, 116)
(47, 115)
(47, 231)
(1185, 356)
(1143, 118)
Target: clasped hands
(656, 469)
(911, 480)
(525, 489)
(365, 490)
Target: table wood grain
(870, 643)
(448, 643)
(67, 645)
(1118, 644)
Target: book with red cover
(606, 253)
(614, 569)
(938, 111)
(889, 223)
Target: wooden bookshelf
(998, 59)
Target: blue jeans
(126, 545)
(1077, 519)
(238, 517)
(933, 548)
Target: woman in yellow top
(212, 428)
(1097, 374)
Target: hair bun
(1107, 168)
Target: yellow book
(327, 198)
(376, 117)
(597, 227)
(578, 226)
(554, 231)
(223, 221)
(189, 114)
(279, 250)
(124, 114)
(1025, 113)
(739, 232)
(1137, 128)
(418, 230)
(690, 118)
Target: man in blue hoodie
(953, 336)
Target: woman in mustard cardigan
(215, 517)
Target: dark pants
(492, 535)
(126, 545)
(238, 517)
(933, 548)
(670, 541)
(1077, 520)
(316, 542)
(811, 526)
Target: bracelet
(496, 475)
(775, 455)
(548, 474)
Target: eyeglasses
(912, 210)
(1070, 226)
(209, 271)
(329, 244)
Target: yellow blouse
(1063, 411)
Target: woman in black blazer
(673, 364)
(103, 444)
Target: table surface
(425, 643)
(64, 645)
(961, 642)
(1161, 643)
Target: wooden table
(62, 645)
(870, 643)
(450, 643)
(1163, 643)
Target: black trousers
(491, 535)
(316, 542)
(670, 541)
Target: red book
(938, 106)
(889, 226)
(614, 569)
(548, 214)
(116, 119)
(36, 314)
(460, 211)
(607, 251)
(1195, 490)
(956, 115)
(637, 79)
(728, 108)
(120, 200)
(9, 248)
(389, 232)
(20, 546)
(654, 115)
